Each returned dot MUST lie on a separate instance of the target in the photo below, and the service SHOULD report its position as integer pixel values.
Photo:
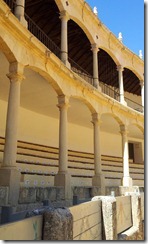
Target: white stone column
(121, 87)
(63, 148)
(64, 37)
(98, 179)
(63, 177)
(19, 12)
(127, 180)
(142, 94)
(95, 50)
(9, 175)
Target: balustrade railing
(38, 32)
(80, 71)
(110, 91)
(132, 104)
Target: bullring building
(71, 101)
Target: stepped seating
(38, 165)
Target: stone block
(60, 193)
(4, 191)
(95, 191)
(58, 225)
(27, 195)
(109, 216)
(64, 180)
(11, 178)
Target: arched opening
(79, 49)
(136, 144)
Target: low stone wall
(86, 193)
(4, 191)
(87, 221)
(27, 229)
(54, 195)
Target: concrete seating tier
(38, 165)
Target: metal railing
(132, 104)
(11, 4)
(110, 91)
(80, 71)
(38, 32)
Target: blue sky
(125, 16)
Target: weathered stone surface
(48, 193)
(95, 191)
(109, 216)
(132, 234)
(27, 195)
(58, 225)
(4, 191)
(60, 193)
(11, 178)
(109, 190)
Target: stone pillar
(142, 94)
(9, 175)
(19, 12)
(121, 87)
(64, 38)
(98, 178)
(63, 177)
(109, 217)
(127, 180)
(95, 65)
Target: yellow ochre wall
(37, 128)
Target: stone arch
(111, 54)
(85, 102)
(82, 25)
(7, 51)
(84, 28)
(135, 72)
(140, 127)
(117, 118)
(56, 87)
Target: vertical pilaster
(9, 175)
(95, 50)
(142, 94)
(20, 12)
(64, 37)
(63, 177)
(127, 180)
(98, 179)
(121, 86)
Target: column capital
(141, 83)
(96, 118)
(64, 15)
(123, 129)
(16, 72)
(15, 77)
(94, 47)
(120, 68)
(63, 101)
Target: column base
(123, 102)
(67, 64)
(99, 181)
(64, 179)
(10, 177)
(124, 190)
(23, 21)
(127, 181)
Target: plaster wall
(37, 128)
